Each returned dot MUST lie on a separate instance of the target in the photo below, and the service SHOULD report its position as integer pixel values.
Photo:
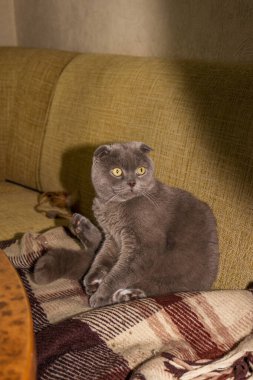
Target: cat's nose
(131, 184)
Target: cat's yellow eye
(117, 172)
(141, 170)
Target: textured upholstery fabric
(197, 116)
(37, 76)
(11, 61)
(17, 212)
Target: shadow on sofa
(223, 105)
(75, 176)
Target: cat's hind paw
(124, 295)
(85, 231)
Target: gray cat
(156, 239)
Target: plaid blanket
(198, 335)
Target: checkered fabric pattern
(178, 336)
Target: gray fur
(58, 263)
(157, 239)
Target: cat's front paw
(93, 279)
(124, 295)
(100, 298)
(87, 233)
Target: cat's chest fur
(138, 216)
(109, 216)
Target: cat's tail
(62, 263)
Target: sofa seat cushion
(17, 211)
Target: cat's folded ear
(145, 148)
(102, 151)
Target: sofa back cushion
(36, 73)
(11, 62)
(197, 116)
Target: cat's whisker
(118, 188)
(114, 196)
(150, 198)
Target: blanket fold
(197, 335)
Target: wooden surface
(17, 354)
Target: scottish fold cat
(155, 238)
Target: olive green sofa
(56, 107)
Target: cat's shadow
(75, 177)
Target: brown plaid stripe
(166, 337)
